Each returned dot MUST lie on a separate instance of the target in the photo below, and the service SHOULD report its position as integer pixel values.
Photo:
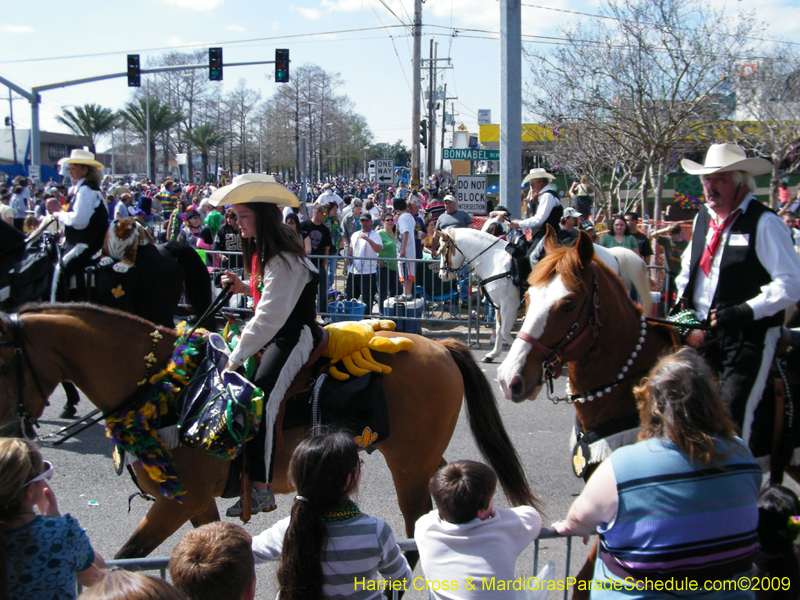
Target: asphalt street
(86, 485)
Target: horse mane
(563, 261)
(57, 308)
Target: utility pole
(511, 106)
(416, 93)
(445, 98)
(431, 113)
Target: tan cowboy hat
(120, 190)
(727, 157)
(253, 187)
(82, 157)
(537, 174)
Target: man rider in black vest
(545, 206)
(738, 274)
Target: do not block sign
(471, 194)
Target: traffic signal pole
(35, 99)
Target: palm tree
(203, 139)
(89, 121)
(162, 119)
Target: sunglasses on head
(47, 473)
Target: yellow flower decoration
(366, 438)
(118, 292)
(579, 461)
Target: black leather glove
(736, 317)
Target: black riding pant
(737, 358)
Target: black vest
(304, 312)
(94, 234)
(741, 274)
(553, 219)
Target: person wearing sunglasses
(45, 552)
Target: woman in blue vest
(85, 223)
(681, 505)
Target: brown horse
(580, 314)
(86, 344)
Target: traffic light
(281, 66)
(423, 132)
(8, 121)
(134, 77)
(215, 64)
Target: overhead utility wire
(199, 45)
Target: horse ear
(585, 248)
(550, 239)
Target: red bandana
(716, 240)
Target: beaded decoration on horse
(135, 431)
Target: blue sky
(374, 63)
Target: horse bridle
(450, 245)
(555, 356)
(21, 358)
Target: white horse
(485, 254)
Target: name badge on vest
(739, 239)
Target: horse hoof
(487, 359)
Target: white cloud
(275, 25)
(198, 5)
(16, 29)
(310, 13)
(236, 28)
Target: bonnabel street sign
(469, 154)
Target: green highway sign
(469, 154)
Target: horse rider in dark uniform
(739, 274)
(85, 223)
(545, 207)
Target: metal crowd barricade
(442, 302)
(455, 303)
(161, 564)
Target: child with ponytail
(41, 555)
(328, 547)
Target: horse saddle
(316, 399)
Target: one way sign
(384, 171)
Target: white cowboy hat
(253, 187)
(537, 174)
(571, 212)
(82, 157)
(727, 157)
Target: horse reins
(21, 358)
(450, 243)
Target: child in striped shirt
(328, 547)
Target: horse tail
(487, 427)
(196, 282)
